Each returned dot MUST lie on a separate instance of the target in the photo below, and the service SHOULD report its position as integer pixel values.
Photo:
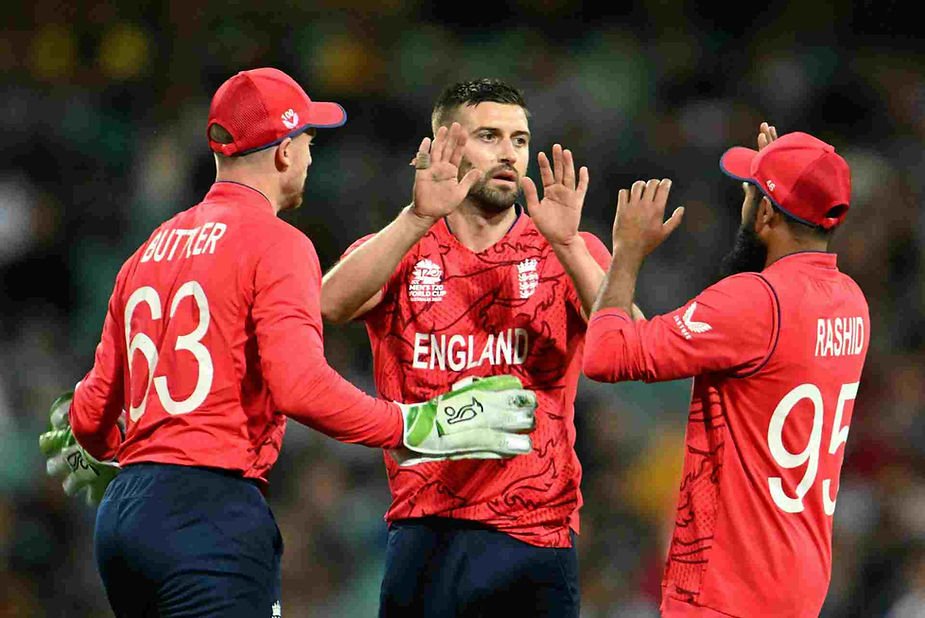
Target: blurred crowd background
(102, 117)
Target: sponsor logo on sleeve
(688, 326)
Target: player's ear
(283, 155)
(765, 214)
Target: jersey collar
(230, 190)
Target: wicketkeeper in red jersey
(463, 283)
(212, 338)
(776, 352)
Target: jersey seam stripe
(777, 329)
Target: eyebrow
(497, 130)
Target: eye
(521, 142)
(486, 136)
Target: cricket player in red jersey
(776, 352)
(213, 337)
(452, 291)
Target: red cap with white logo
(801, 175)
(262, 107)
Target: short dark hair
(485, 90)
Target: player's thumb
(673, 221)
(530, 193)
(471, 177)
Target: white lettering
(839, 336)
(487, 351)
(162, 246)
(438, 352)
(505, 349)
(189, 241)
(458, 352)
(202, 238)
(218, 230)
(456, 360)
(420, 349)
(149, 250)
(521, 346)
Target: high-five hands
(766, 134)
(558, 214)
(639, 226)
(438, 190)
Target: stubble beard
(486, 198)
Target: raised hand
(766, 134)
(639, 225)
(438, 190)
(558, 214)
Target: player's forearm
(323, 400)
(93, 418)
(619, 287)
(580, 265)
(359, 276)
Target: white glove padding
(479, 419)
(67, 459)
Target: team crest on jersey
(426, 285)
(527, 277)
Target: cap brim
(325, 115)
(737, 163)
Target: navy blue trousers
(446, 568)
(178, 541)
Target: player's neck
(477, 229)
(785, 246)
(254, 181)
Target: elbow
(595, 363)
(331, 312)
(596, 370)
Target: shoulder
(743, 291)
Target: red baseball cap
(262, 107)
(800, 174)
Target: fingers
(530, 194)
(469, 180)
(583, 177)
(673, 221)
(439, 144)
(766, 134)
(53, 441)
(457, 144)
(546, 173)
(558, 162)
(568, 169)
(72, 484)
(492, 440)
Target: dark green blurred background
(102, 119)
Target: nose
(508, 153)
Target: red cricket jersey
(449, 313)
(776, 359)
(213, 333)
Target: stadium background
(102, 112)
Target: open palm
(438, 190)
(558, 214)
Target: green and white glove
(479, 419)
(67, 459)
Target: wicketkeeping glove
(67, 459)
(483, 419)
